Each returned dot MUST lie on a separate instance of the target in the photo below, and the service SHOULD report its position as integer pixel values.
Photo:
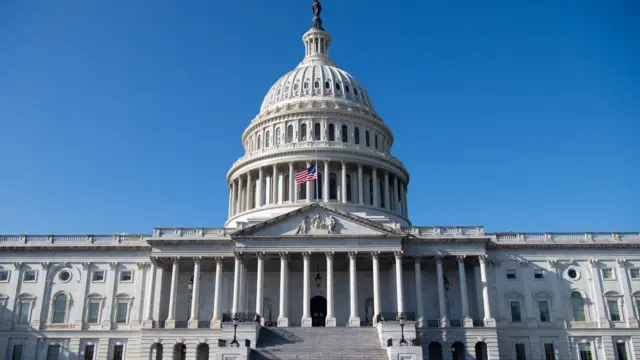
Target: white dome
(317, 81)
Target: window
(303, 132)
(511, 274)
(521, 353)
(53, 352)
(93, 311)
(355, 91)
(267, 139)
(59, 310)
(278, 136)
(327, 85)
(258, 142)
(585, 351)
(375, 140)
(98, 276)
(549, 351)
(24, 312)
(344, 135)
(614, 309)
(515, 311)
(346, 88)
(607, 274)
(122, 312)
(306, 85)
(316, 131)
(635, 273)
(573, 274)
(89, 351)
(338, 86)
(316, 84)
(17, 351)
(64, 276)
(126, 276)
(30, 276)
(543, 307)
(538, 274)
(4, 275)
(621, 351)
(118, 352)
(289, 137)
(332, 132)
(356, 135)
(577, 304)
(367, 142)
(295, 86)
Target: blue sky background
(118, 116)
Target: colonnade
(240, 282)
(345, 183)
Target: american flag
(306, 175)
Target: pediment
(317, 220)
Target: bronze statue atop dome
(317, 8)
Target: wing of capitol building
(318, 259)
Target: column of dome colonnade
(275, 184)
(240, 287)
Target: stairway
(319, 343)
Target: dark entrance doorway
(318, 310)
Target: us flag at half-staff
(309, 174)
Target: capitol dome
(317, 117)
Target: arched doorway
(318, 309)
(457, 351)
(202, 352)
(481, 350)
(179, 352)
(435, 351)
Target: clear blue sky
(118, 116)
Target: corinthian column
(444, 320)
(171, 318)
(374, 174)
(325, 182)
(260, 286)
(330, 320)
(466, 319)
(260, 188)
(399, 287)
(488, 319)
(419, 302)
(195, 294)
(292, 183)
(236, 283)
(215, 321)
(249, 197)
(306, 314)
(376, 285)
(354, 320)
(309, 183)
(283, 319)
(344, 182)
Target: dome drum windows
(278, 136)
(303, 132)
(332, 132)
(289, 136)
(344, 134)
(367, 140)
(267, 139)
(356, 135)
(317, 132)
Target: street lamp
(318, 279)
(401, 319)
(235, 328)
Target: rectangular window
(614, 311)
(545, 315)
(24, 311)
(521, 353)
(635, 273)
(511, 274)
(621, 351)
(515, 311)
(29, 276)
(549, 351)
(118, 352)
(585, 351)
(93, 314)
(126, 276)
(538, 274)
(17, 352)
(121, 316)
(53, 352)
(4, 275)
(89, 350)
(98, 276)
(607, 274)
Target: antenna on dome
(317, 9)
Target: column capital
(482, 259)
(417, 259)
(237, 256)
(439, 259)
(359, 166)
(113, 265)
(343, 163)
(197, 259)
(329, 255)
(283, 255)
(154, 260)
(261, 255)
(219, 259)
(17, 265)
(553, 263)
(460, 258)
(306, 255)
(174, 260)
(141, 265)
(622, 262)
(375, 255)
(352, 255)
(398, 255)
(593, 262)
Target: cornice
(494, 245)
(120, 248)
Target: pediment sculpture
(318, 223)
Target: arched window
(303, 132)
(435, 351)
(333, 186)
(267, 139)
(349, 187)
(376, 141)
(316, 131)
(577, 304)
(202, 352)
(481, 350)
(337, 86)
(332, 132)
(356, 135)
(59, 309)
(156, 351)
(258, 142)
(316, 84)
(367, 142)
(289, 137)
(457, 351)
(344, 134)
(179, 351)
(278, 136)
(327, 85)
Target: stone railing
(443, 230)
(72, 239)
(564, 237)
(192, 232)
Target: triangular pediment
(317, 220)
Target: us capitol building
(330, 268)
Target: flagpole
(317, 175)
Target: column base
(467, 322)
(147, 324)
(216, 324)
(604, 323)
(489, 322)
(106, 325)
(330, 321)
(420, 322)
(306, 322)
(283, 322)
(170, 324)
(193, 324)
(444, 321)
(354, 322)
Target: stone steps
(319, 343)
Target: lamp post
(401, 319)
(235, 328)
